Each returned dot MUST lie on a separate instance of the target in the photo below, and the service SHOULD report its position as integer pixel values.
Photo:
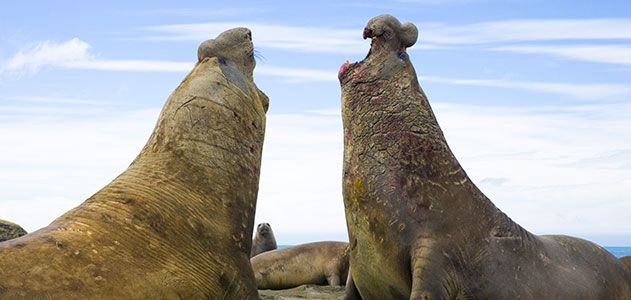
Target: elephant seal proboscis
(317, 263)
(177, 224)
(264, 240)
(418, 227)
(9, 231)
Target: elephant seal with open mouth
(418, 227)
(177, 224)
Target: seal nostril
(250, 35)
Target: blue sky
(534, 98)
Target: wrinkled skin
(418, 227)
(319, 263)
(9, 231)
(264, 240)
(177, 224)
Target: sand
(304, 292)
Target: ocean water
(616, 251)
(619, 251)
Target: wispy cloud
(527, 30)
(500, 34)
(295, 38)
(611, 54)
(75, 54)
(297, 74)
(576, 91)
(347, 40)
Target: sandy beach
(304, 292)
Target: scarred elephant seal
(264, 240)
(418, 227)
(177, 224)
(9, 231)
(313, 263)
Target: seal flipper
(351, 292)
(421, 266)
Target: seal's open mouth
(351, 68)
(389, 41)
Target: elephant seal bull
(9, 231)
(264, 240)
(313, 263)
(177, 224)
(418, 227)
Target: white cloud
(50, 162)
(294, 38)
(611, 54)
(49, 53)
(552, 169)
(526, 30)
(577, 91)
(75, 54)
(297, 74)
(348, 40)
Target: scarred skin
(318, 263)
(177, 224)
(418, 226)
(264, 240)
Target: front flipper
(351, 292)
(427, 272)
(333, 279)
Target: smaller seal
(319, 263)
(264, 240)
(9, 231)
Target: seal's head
(235, 51)
(234, 45)
(263, 229)
(387, 54)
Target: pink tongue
(343, 68)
